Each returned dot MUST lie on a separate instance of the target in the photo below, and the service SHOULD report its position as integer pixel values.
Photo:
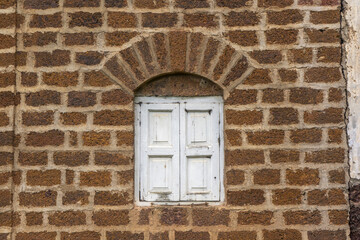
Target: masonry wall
(69, 70)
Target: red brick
(174, 216)
(82, 3)
(312, 135)
(336, 95)
(6, 198)
(125, 177)
(34, 218)
(243, 38)
(337, 176)
(36, 236)
(255, 218)
(99, 178)
(306, 96)
(233, 137)
(4, 177)
(247, 117)
(7, 41)
(7, 79)
(272, 137)
(41, 98)
(33, 158)
(267, 56)
(244, 157)
(43, 178)
(246, 197)
(304, 176)
(76, 197)
(81, 99)
(323, 35)
(7, 20)
(55, 58)
(112, 198)
(286, 196)
(210, 217)
(61, 79)
(38, 118)
(118, 38)
(323, 75)
(267, 177)
(149, 4)
(288, 75)
(285, 17)
(237, 71)
(159, 20)
(272, 95)
(331, 155)
(329, 115)
(116, 3)
(113, 118)
(97, 79)
(234, 235)
(281, 36)
(74, 39)
(258, 76)
(325, 17)
(329, 55)
(327, 235)
(126, 235)
(49, 138)
(89, 58)
(235, 177)
(338, 217)
(301, 56)
(7, 138)
(111, 218)
(188, 4)
(4, 119)
(232, 4)
(39, 39)
(41, 4)
(46, 21)
(71, 158)
(335, 135)
(125, 138)
(96, 138)
(7, 59)
(283, 116)
(122, 20)
(87, 235)
(29, 79)
(192, 235)
(200, 20)
(7, 99)
(73, 118)
(326, 197)
(108, 158)
(275, 3)
(287, 234)
(67, 218)
(38, 199)
(246, 18)
(85, 19)
(120, 73)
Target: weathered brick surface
(66, 116)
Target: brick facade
(69, 70)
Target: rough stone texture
(66, 116)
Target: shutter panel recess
(159, 176)
(200, 148)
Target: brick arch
(178, 52)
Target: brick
(20, 58)
(286, 196)
(255, 218)
(7, 59)
(29, 79)
(159, 20)
(43, 178)
(98, 178)
(329, 55)
(6, 198)
(325, 17)
(246, 197)
(335, 135)
(49, 138)
(233, 137)
(337, 176)
(67, 218)
(85, 19)
(149, 4)
(71, 158)
(86, 235)
(286, 234)
(89, 58)
(233, 4)
(81, 99)
(79, 39)
(120, 73)
(114, 118)
(246, 117)
(130, 58)
(258, 76)
(283, 116)
(7, 138)
(244, 157)
(235, 177)
(125, 138)
(76, 197)
(237, 71)
(312, 135)
(96, 138)
(41, 98)
(34, 218)
(38, 118)
(82, 3)
(329, 115)
(285, 17)
(118, 38)
(332, 155)
(267, 56)
(124, 236)
(327, 235)
(281, 36)
(174, 216)
(7, 20)
(41, 4)
(9, 219)
(38, 199)
(324, 75)
(200, 20)
(111, 218)
(113, 198)
(192, 235)
(7, 79)
(4, 119)
(305, 176)
(73, 118)
(108, 158)
(272, 95)
(210, 217)
(306, 96)
(302, 217)
(246, 18)
(272, 137)
(243, 38)
(7, 99)
(188, 4)
(55, 58)
(125, 177)
(288, 75)
(244, 235)
(4, 177)
(267, 177)
(323, 35)
(326, 197)
(275, 3)
(46, 21)
(36, 236)
(159, 236)
(177, 45)
(338, 217)
(7, 41)
(97, 79)
(69, 176)
(39, 39)
(335, 95)
(122, 20)
(61, 79)
(145, 220)
(301, 56)
(116, 3)
(33, 158)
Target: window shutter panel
(200, 151)
(159, 166)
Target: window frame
(137, 142)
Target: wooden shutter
(200, 151)
(159, 166)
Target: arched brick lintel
(178, 52)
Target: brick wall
(66, 148)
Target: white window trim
(138, 147)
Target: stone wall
(68, 73)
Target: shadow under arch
(179, 85)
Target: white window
(179, 149)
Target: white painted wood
(352, 50)
(189, 128)
(159, 154)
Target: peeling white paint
(352, 51)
